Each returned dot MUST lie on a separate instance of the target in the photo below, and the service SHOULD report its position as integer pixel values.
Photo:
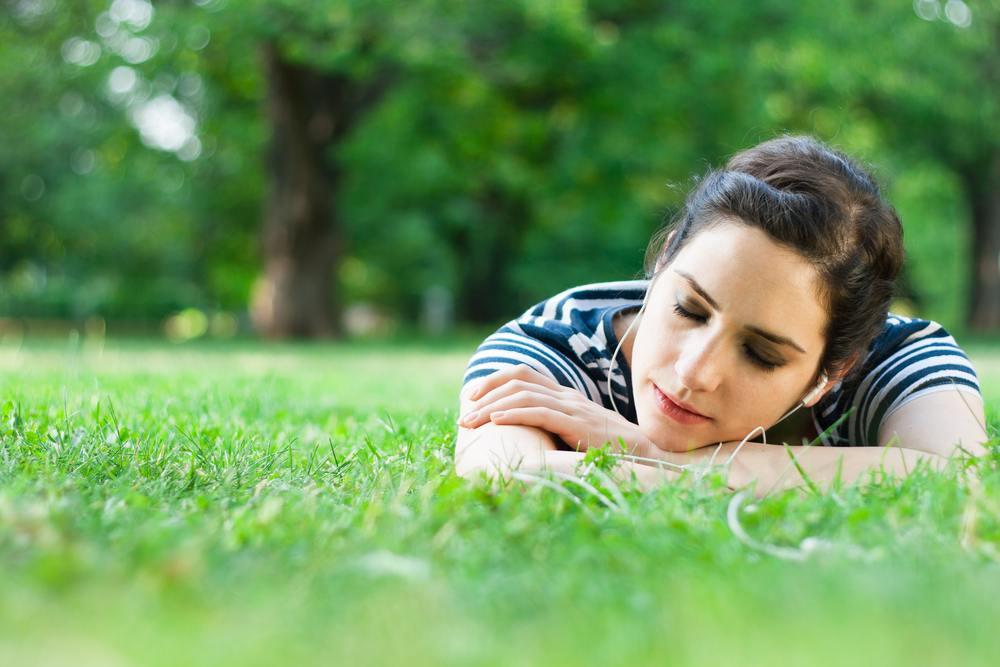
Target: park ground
(244, 503)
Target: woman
(770, 293)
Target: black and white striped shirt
(570, 338)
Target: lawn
(252, 504)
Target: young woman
(770, 293)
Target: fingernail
(471, 417)
(496, 415)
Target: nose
(699, 364)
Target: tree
(106, 104)
(500, 148)
(924, 80)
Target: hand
(520, 395)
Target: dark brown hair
(821, 203)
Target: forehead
(762, 283)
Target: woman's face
(730, 339)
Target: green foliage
(211, 504)
(521, 148)
(121, 229)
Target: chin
(674, 437)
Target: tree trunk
(310, 112)
(984, 188)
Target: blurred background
(325, 168)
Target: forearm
(497, 452)
(773, 469)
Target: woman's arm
(929, 428)
(944, 423)
(775, 468)
(496, 451)
(520, 395)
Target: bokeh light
(121, 80)
(32, 187)
(186, 325)
(189, 84)
(223, 325)
(198, 37)
(163, 123)
(82, 52)
(71, 104)
(928, 10)
(958, 13)
(82, 161)
(106, 24)
(955, 11)
(138, 49)
(28, 11)
(137, 13)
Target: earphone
(824, 379)
(815, 391)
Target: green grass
(215, 504)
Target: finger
(504, 375)
(490, 382)
(529, 396)
(510, 388)
(530, 374)
(567, 427)
(519, 378)
(515, 387)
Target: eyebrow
(697, 288)
(766, 335)
(774, 338)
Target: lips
(679, 412)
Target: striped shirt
(570, 338)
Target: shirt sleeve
(513, 346)
(912, 358)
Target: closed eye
(752, 357)
(759, 361)
(688, 315)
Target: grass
(239, 503)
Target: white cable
(743, 442)
(614, 357)
(806, 547)
(694, 466)
(733, 519)
(549, 484)
(613, 489)
(579, 482)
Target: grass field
(240, 503)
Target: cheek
(760, 400)
(655, 349)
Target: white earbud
(814, 392)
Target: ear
(659, 260)
(831, 381)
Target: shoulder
(582, 309)
(900, 331)
(910, 358)
(917, 350)
(565, 337)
